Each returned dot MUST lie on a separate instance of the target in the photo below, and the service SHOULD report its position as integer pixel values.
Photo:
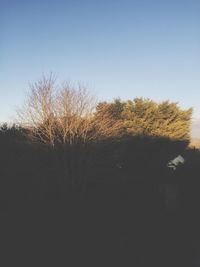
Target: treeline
(65, 139)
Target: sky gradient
(117, 48)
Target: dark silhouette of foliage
(126, 200)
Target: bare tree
(66, 118)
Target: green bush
(145, 117)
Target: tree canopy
(145, 117)
(69, 115)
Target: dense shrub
(146, 117)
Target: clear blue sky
(118, 48)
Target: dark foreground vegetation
(89, 185)
(129, 208)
